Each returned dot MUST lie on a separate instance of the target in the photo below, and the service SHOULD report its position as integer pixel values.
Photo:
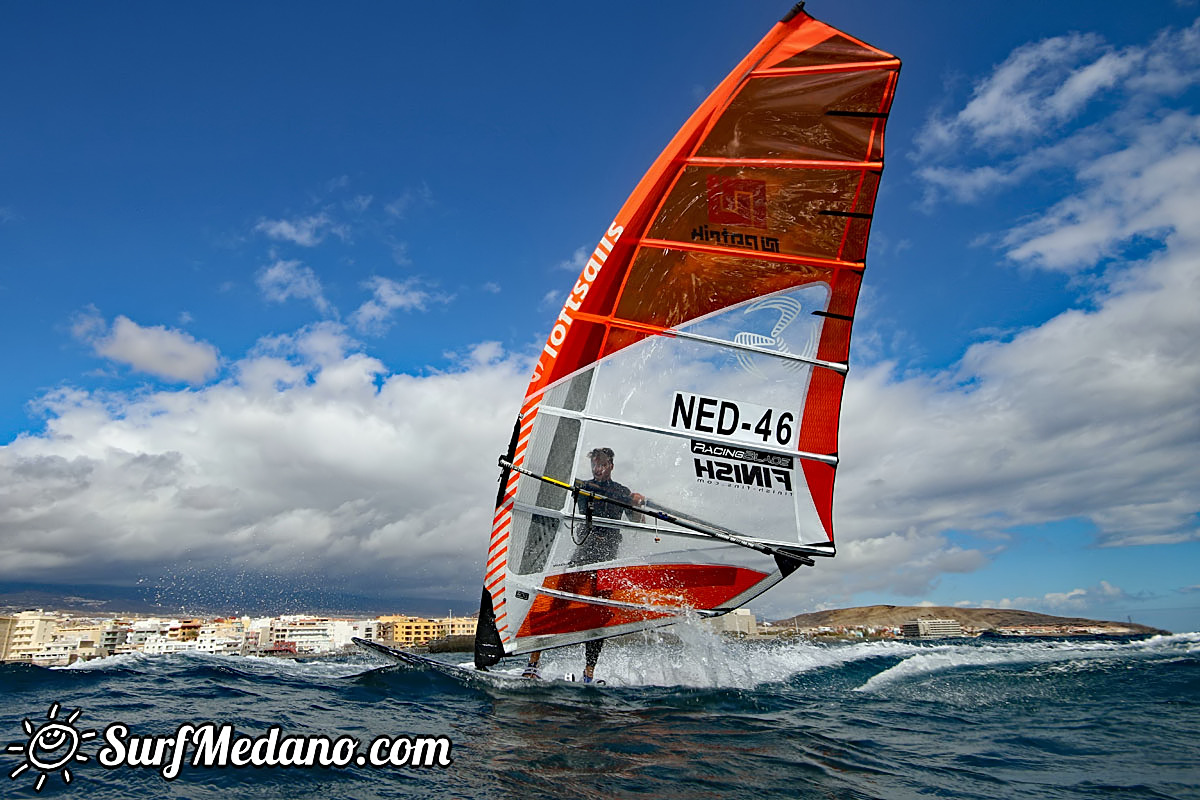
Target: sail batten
(839, 367)
(600, 601)
(825, 69)
(783, 163)
(659, 530)
(704, 349)
(783, 258)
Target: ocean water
(700, 718)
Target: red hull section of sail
(698, 586)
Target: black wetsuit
(601, 543)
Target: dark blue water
(702, 719)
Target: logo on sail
(788, 308)
(737, 201)
(742, 466)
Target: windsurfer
(599, 543)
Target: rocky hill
(979, 618)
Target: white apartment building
(61, 652)
(739, 622)
(106, 637)
(319, 634)
(931, 628)
(142, 630)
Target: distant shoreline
(974, 621)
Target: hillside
(981, 618)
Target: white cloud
(305, 231)
(1093, 600)
(1027, 106)
(577, 261)
(1171, 63)
(388, 295)
(359, 203)
(1037, 86)
(287, 280)
(400, 254)
(1142, 189)
(163, 352)
(311, 457)
(970, 183)
(1090, 415)
(419, 197)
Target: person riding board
(600, 543)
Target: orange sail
(704, 348)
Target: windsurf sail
(703, 350)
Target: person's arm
(638, 500)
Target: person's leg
(531, 669)
(591, 654)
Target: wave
(941, 658)
(333, 666)
(694, 658)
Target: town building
(739, 622)
(6, 627)
(53, 639)
(316, 634)
(931, 629)
(404, 630)
(30, 632)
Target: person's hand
(639, 499)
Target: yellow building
(406, 630)
(31, 631)
(6, 626)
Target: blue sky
(272, 277)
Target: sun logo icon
(52, 746)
